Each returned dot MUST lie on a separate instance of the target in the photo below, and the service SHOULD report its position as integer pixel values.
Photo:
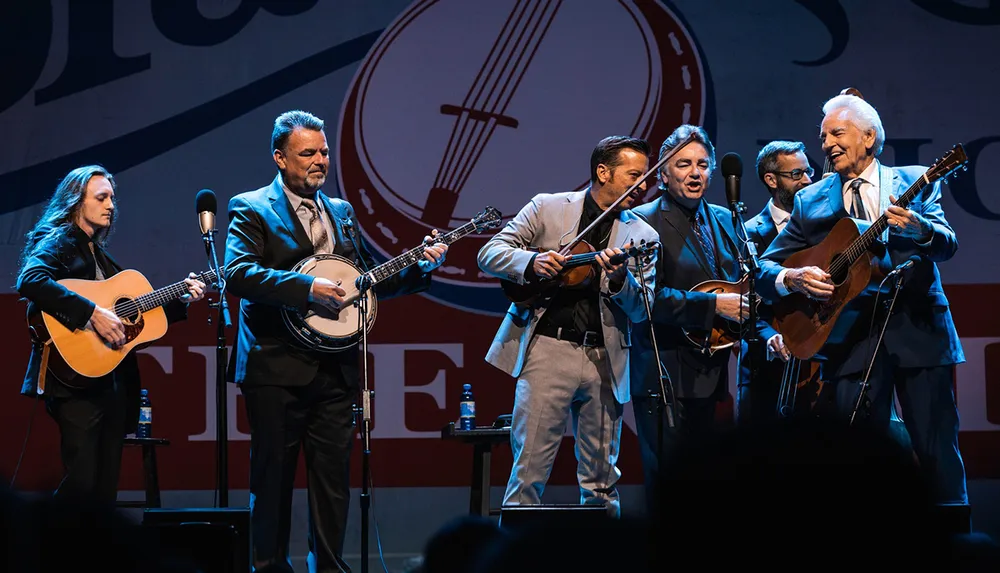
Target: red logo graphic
(461, 105)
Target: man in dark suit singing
(921, 345)
(296, 397)
(697, 244)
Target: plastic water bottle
(467, 410)
(145, 416)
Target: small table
(150, 472)
(482, 439)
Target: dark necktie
(857, 205)
(704, 234)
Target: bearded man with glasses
(783, 168)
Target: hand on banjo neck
(332, 294)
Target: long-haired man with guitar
(569, 348)
(921, 346)
(299, 397)
(698, 245)
(70, 241)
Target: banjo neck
(414, 255)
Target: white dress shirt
(778, 215)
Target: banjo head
(321, 328)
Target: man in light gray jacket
(568, 347)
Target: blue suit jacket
(920, 332)
(265, 240)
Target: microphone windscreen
(205, 201)
(732, 164)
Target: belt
(590, 338)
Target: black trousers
(91, 433)
(318, 419)
(696, 418)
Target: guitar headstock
(947, 166)
(488, 218)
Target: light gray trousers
(560, 381)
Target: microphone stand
(665, 400)
(862, 394)
(221, 361)
(749, 333)
(365, 412)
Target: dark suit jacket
(680, 266)
(67, 256)
(920, 332)
(265, 240)
(762, 231)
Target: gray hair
(286, 123)
(767, 159)
(863, 115)
(679, 135)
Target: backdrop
(434, 110)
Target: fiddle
(579, 269)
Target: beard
(315, 181)
(785, 197)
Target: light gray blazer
(549, 222)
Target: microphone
(205, 205)
(732, 170)
(914, 259)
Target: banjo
(327, 330)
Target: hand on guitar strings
(327, 293)
(108, 326)
(813, 282)
(434, 253)
(776, 347)
(196, 289)
(732, 306)
(906, 223)
(548, 264)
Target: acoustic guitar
(82, 355)
(847, 253)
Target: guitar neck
(415, 255)
(163, 295)
(862, 243)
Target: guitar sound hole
(127, 310)
(839, 268)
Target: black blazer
(762, 231)
(680, 266)
(67, 256)
(265, 240)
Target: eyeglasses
(796, 174)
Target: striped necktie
(317, 231)
(704, 234)
(857, 205)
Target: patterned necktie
(320, 239)
(704, 234)
(857, 205)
